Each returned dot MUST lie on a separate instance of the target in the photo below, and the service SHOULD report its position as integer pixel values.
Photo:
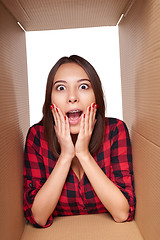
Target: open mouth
(74, 114)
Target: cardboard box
(140, 68)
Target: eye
(84, 86)
(60, 88)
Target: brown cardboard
(140, 51)
(60, 14)
(14, 123)
(86, 227)
(147, 179)
(140, 60)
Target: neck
(74, 138)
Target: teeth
(75, 111)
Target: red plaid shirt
(114, 158)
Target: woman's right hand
(63, 133)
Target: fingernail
(51, 107)
(93, 105)
(57, 109)
(89, 108)
(84, 116)
(65, 117)
(96, 106)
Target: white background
(100, 46)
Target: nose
(73, 97)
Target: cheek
(91, 98)
(59, 102)
(56, 99)
(52, 97)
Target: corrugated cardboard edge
(140, 61)
(86, 227)
(14, 122)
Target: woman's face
(72, 93)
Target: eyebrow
(80, 80)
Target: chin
(74, 129)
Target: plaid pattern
(114, 158)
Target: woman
(76, 160)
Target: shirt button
(31, 185)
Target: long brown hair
(47, 119)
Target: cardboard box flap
(60, 14)
(86, 227)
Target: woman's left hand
(86, 128)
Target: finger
(67, 128)
(82, 125)
(91, 120)
(94, 114)
(95, 122)
(57, 117)
(61, 121)
(52, 106)
(87, 119)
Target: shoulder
(112, 123)
(113, 126)
(35, 132)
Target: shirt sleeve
(33, 172)
(121, 164)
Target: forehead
(69, 71)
